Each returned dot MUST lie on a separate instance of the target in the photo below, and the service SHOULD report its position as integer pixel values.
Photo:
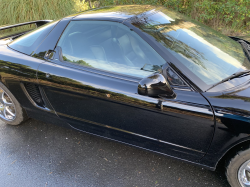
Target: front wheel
(238, 169)
(11, 111)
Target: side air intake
(34, 92)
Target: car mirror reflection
(155, 85)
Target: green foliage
(231, 12)
(16, 11)
(228, 16)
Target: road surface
(41, 154)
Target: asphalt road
(37, 154)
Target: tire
(11, 111)
(236, 169)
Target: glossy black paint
(156, 85)
(17, 68)
(102, 103)
(232, 111)
(199, 127)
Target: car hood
(238, 97)
(243, 94)
(235, 101)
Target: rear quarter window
(29, 42)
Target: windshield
(207, 54)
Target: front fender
(232, 116)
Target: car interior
(109, 46)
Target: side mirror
(59, 55)
(156, 85)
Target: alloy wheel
(244, 174)
(7, 107)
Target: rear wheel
(238, 169)
(11, 111)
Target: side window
(28, 42)
(109, 46)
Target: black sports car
(142, 75)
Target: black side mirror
(156, 85)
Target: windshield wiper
(245, 47)
(235, 75)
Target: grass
(17, 11)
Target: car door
(91, 80)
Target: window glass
(173, 78)
(29, 42)
(206, 53)
(109, 46)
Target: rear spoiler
(38, 23)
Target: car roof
(114, 13)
